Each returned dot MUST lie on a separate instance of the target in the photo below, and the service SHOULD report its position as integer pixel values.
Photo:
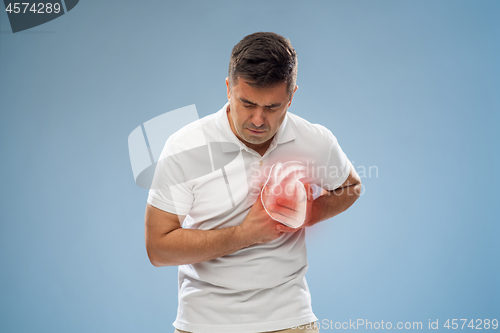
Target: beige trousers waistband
(307, 328)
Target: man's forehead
(274, 95)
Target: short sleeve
(169, 190)
(338, 165)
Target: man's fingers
(284, 228)
(286, 203)
(283, 211)
(309, 191)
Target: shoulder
(308, 131)
(193, 135)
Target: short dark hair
(264, 59)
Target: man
(239, 269)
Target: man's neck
(259, 148)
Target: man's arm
(168, 244)
(330, 203)
(337, 201)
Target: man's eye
(247, 105)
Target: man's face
(256, 114)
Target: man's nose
(258, 117)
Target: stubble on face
(255, 114)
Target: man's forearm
(334, 202)
(169, 244)
(182, 246)
(188, 246)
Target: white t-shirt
(206, 173)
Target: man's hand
(258, 226)
(329, 204)
(289, 209)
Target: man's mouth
(255, 131)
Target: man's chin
(255, 141)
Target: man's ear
(294, 90)
(228, 89)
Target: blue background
(409, 88)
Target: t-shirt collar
(285, 133)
